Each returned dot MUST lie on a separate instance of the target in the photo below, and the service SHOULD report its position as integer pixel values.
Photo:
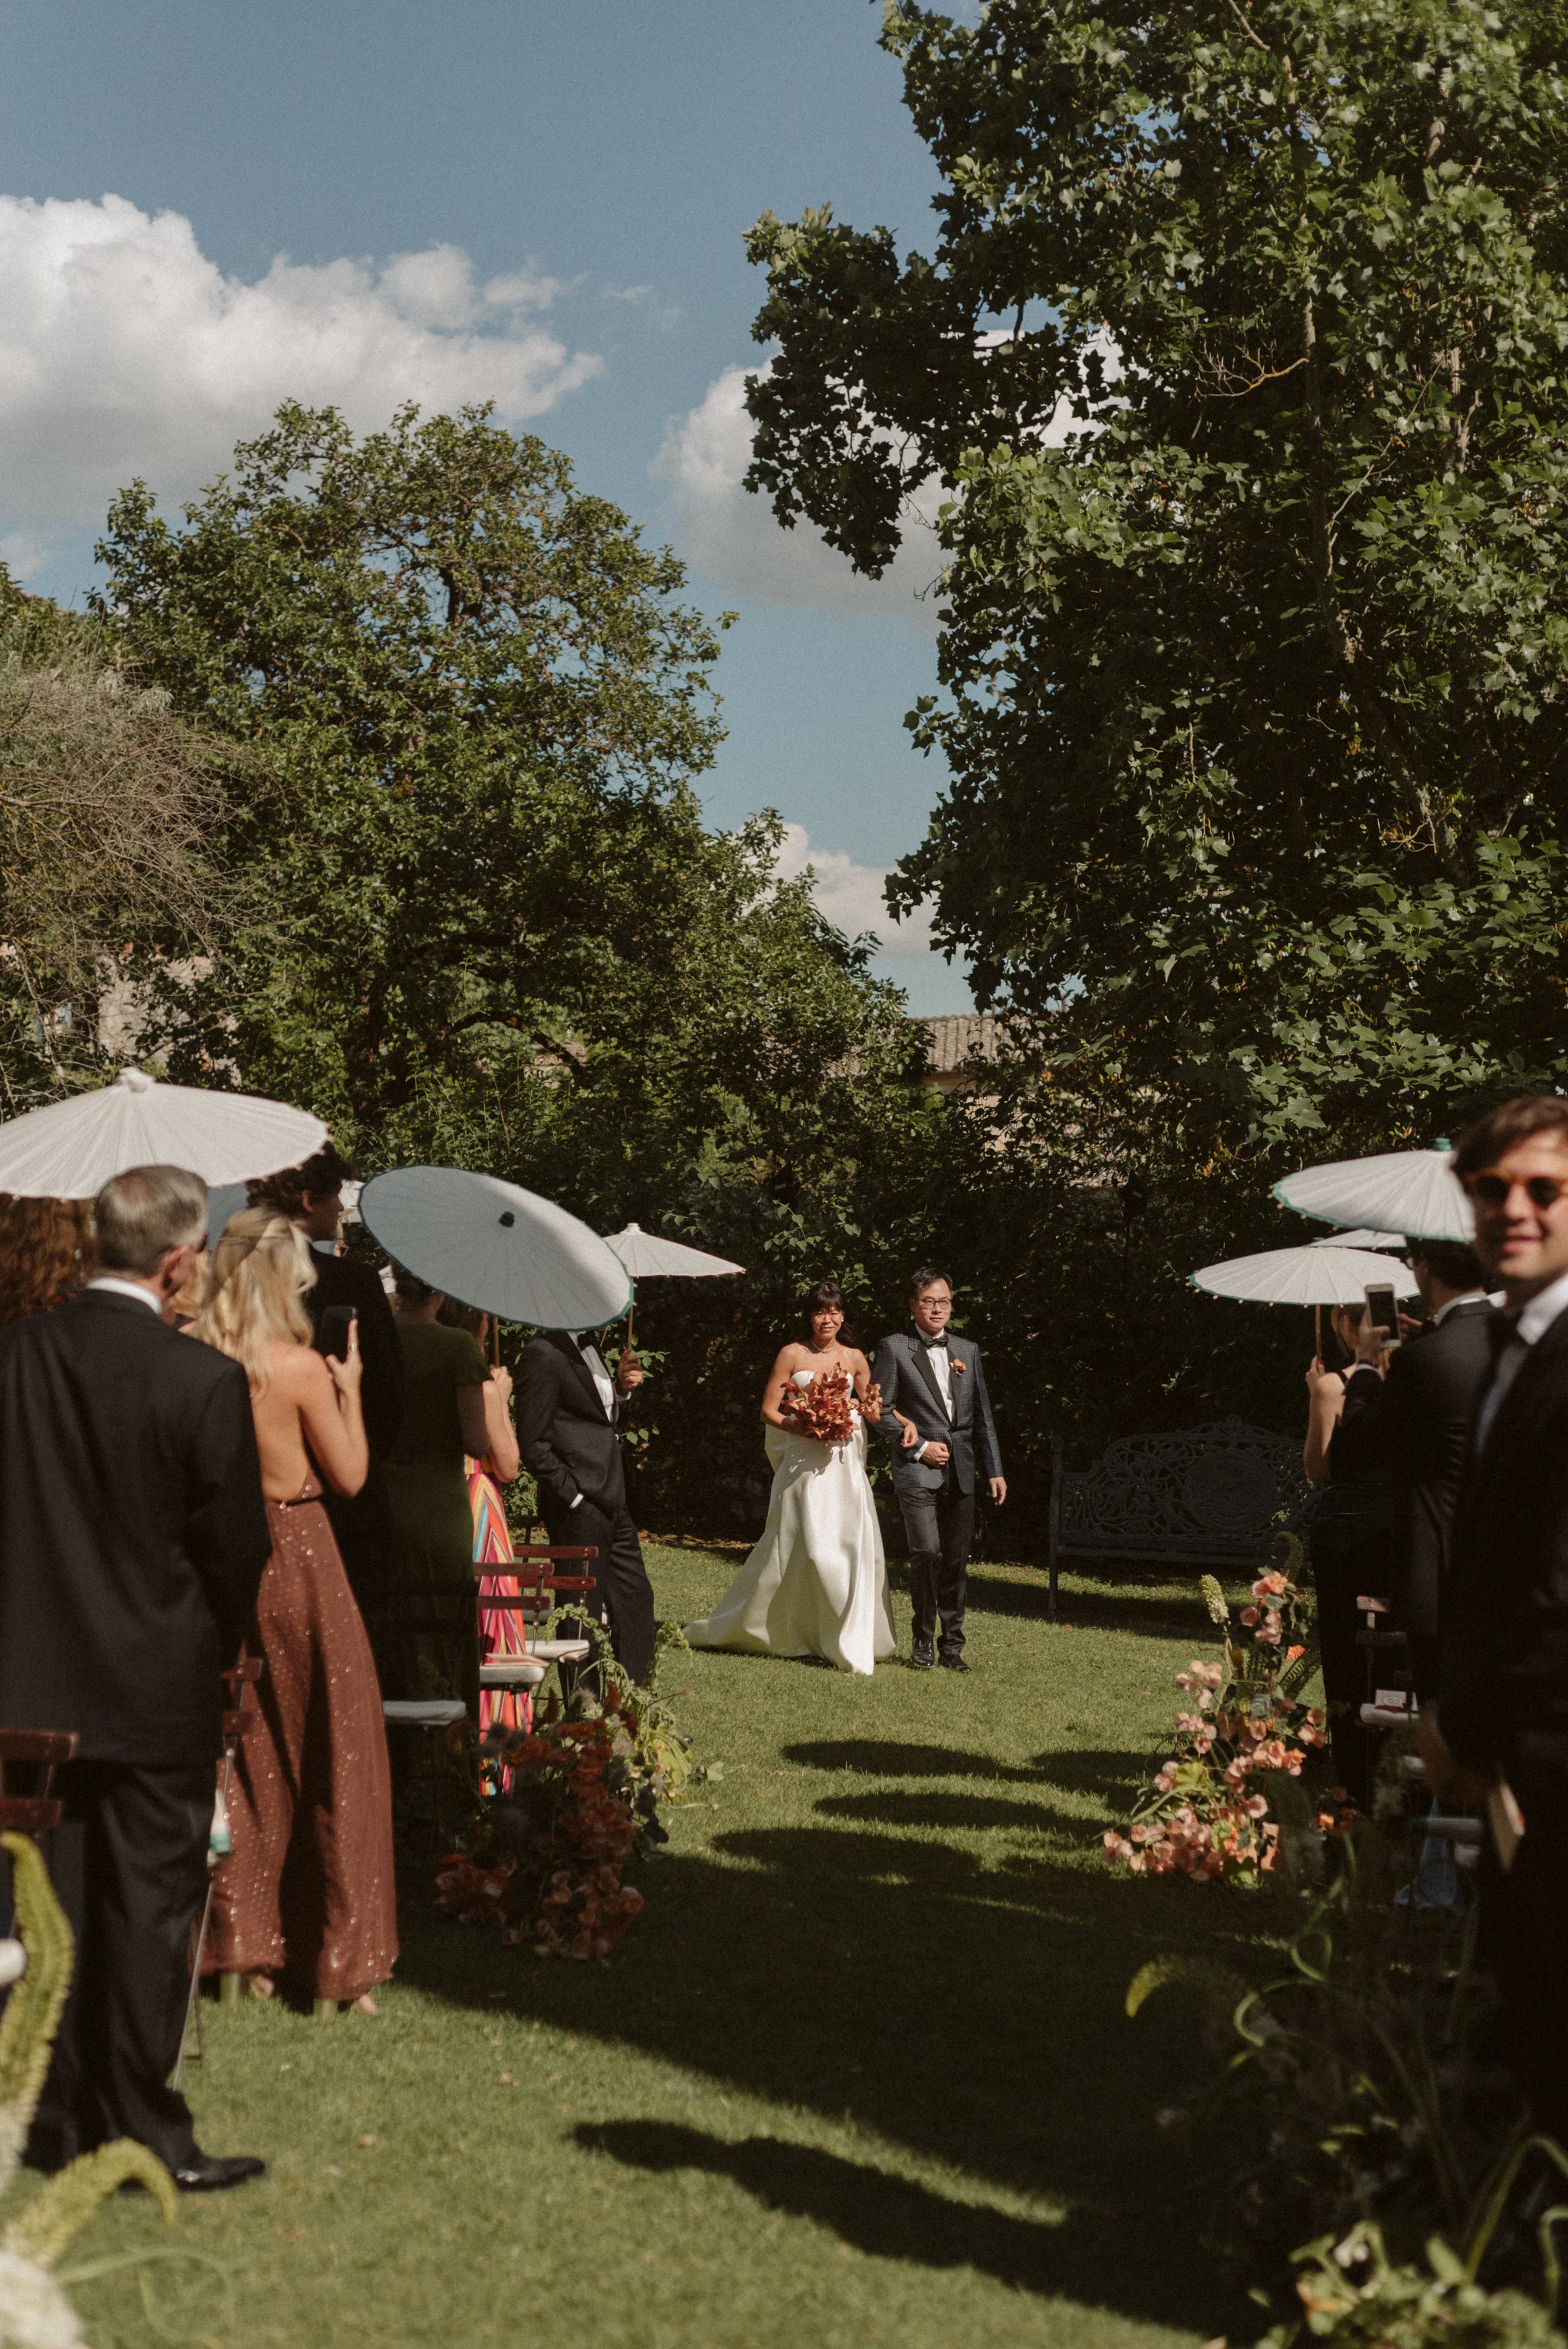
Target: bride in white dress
(816, 1583)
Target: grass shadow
(882, 1759)
(884, 2216)
(967, 2011)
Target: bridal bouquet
(823, 1411)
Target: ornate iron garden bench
(1211, 1496)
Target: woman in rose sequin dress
(308, 1887)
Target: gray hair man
(132, 1539)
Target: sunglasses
(1494, 1190)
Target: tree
(488, 924)
(485, 711)
(107, 889)
(1242, 355)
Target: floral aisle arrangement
(1227, 1804)
(581, 1792)
(1357, 2158)
(825, 1411)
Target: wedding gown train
(816, 1583)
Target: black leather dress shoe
(953, 1663)
(922, 1658)
(210, 2173)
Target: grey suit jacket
(909, 1384)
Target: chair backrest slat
(50, 1746)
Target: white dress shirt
(601, 1376)
(127, 1289)
(941, 1360)
(1471, 1297)
(1530, 1328)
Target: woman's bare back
(300, 1429)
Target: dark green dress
(425, 1479)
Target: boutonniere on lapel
(955, 1366)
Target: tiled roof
(963, 1037)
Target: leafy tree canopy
(109, 894)
(493, 930)
(1242, 353)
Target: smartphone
(332, 1338)
(1384, 1307)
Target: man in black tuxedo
(937, 1381)
(1434, 1383)
(568, 1416)
(132, 1539)
(1500, 1719)
(312, 1196)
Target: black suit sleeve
(537, 1377)
(1415, 1560)
(382, 1350)
(885, 1376)
(987, 1450)
(341, 1281)
(226, 1531)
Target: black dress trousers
(939, 1526)
(624, 1590)
(128, 1864)
(1524, 1920)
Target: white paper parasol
(1408, 1191)
(69, 1150)
(1361, 1239)
(1304, 1276)
(648, 1257)
(493, 1246)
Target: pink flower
(1249, 1616)
(1256, 1807)
(1268, 1586)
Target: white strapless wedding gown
(816, 1584)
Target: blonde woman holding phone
(308, 1887)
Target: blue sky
(541, 203)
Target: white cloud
(732, 535)
(124, 351)
(850, 895)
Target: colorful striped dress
(502, 1632)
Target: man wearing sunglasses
(1500, 1719)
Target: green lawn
(859, 2076)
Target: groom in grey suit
(937, 1381)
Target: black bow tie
(933, 1342)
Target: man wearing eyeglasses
(1501, 1719)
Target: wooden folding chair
(530, 1568)
(45, 1750)
(1389, 1700)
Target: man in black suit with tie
(937, 1381)
(132, 1539)
(1429, 1402)
(569, 1415)
(312, 1196)
(1499, 1730)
